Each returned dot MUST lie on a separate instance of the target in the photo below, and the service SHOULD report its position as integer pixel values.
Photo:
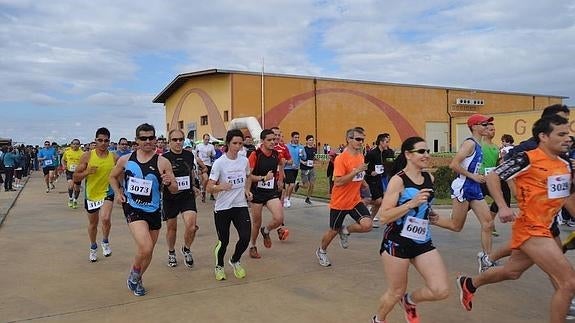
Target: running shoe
(254, 253)
(483, 261)
(188, 259)
(52, 186)
(307, 201)
(172, 261)
(139, 290)
(375, 223)
(239, 271)
(409, 310)
(343, 240)
(495, 233)
(220, 273)
(569, 242)
(375, 320)
(93, 255)
(267, 239)
(47, 190)
(106, 249)
(75, 204)
(283, 233)
(287, 203)
(322, 257)
(70, 203)
(132, 281)
(465, 296)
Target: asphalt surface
(46, 275)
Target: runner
(291, 170)
(183, 202)
(205, 152)
(543, 182)
(266, 178)
(47, 157)
(123, 147)
(376, 172)
(142, 174)
(466, 188)
(490, 153)
(307, 168)
(229, 180)
(406, 209)
(70, 161)
(349, 171)
(95, 166)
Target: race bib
(268, 185)
(139, 186)
(358, 177)
(415, 228)
(183, 183)
(488, 170)
(558, 186)
(48, 162)
(92, 205)
(309, 163)
(72, 168)
(237, 180)
(477, 168)
(379, 169)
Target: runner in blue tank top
(142, 173)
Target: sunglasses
(177, 139)
(420, 151)
(358, 139)
(102, 140)
(146, 138)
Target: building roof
(181, 79)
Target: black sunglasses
(177, 139)
(146, 138)
(420, 151)
(359, 139)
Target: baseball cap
(477, 119)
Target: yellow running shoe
(239, 271)
(220, 273)
(569, 243)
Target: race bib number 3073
(139, 186)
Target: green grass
(321, 187)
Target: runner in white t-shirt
(229, 181)
(205, 152)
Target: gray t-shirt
(234, 171)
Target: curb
(6, 209)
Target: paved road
(46, 275)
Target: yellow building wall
(216, 87)
(327, 108)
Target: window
(181, 124)
(204, 120)
(226, 116)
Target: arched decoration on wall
(276, 114)
(215, 120)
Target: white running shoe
(483, 261)
(375, 223)
(343, 240)
(322, 257)
(287, 203)
(93, 255)
(106, 249)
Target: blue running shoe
(140, 290)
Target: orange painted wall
(339, 105)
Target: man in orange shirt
(542, 184)
(349, 171)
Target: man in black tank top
(184, 201)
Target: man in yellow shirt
(70, 161)
(95, 166)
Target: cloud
(77, 58)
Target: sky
(68, 67)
